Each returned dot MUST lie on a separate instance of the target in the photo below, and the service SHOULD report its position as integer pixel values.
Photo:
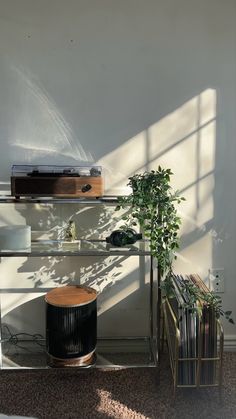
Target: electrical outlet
(217, 280)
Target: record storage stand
(152, 341)
(200, 364)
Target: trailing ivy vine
(152, 207)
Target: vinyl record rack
(196, 359)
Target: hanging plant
(151, 205)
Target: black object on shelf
(71, 325)
(125, 237)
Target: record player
(57, 181)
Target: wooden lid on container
(71, 296)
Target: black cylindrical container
(71, 325)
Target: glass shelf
(79, 248)
(108, 199)
(110, 353)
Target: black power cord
(17, 338)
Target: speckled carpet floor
(127, 393)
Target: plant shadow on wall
(104, 273)
(49, 224)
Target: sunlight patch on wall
(207, 138)
(120, 295)
(123, 285)
(9, 215)
(195, 257)
(10, 275)
(205, 211)
(123, 157)
(196, 216)
(184, 141)
(122, 162)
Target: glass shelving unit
(32, 353)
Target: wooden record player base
(65, 186)
(83, 361)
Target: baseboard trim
(123, 344)
(230, 343)
(140, 345)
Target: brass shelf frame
(174, 350)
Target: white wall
(130, 84)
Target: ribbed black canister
(71, 331)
